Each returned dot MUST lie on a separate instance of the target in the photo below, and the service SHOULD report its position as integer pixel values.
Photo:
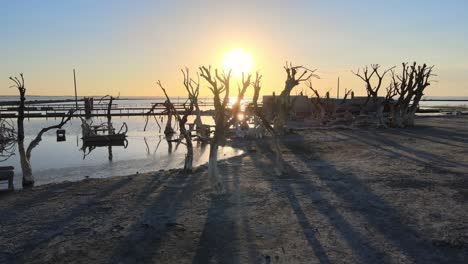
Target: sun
(238, 61)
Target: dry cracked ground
(340, 196)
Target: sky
(125, 47)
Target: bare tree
(372, 88)
(149, 113)
(192, 89)
(25, 154)
(168, 130)
(283, 104)
(110, 98)
(221, 99)
(19, 84)
(236, 107)
(319, 104)
(325, 110)
(257, 112)
(264, 122)
(409, 87)
(7, 139)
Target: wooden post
(338, 89)
(76, 94)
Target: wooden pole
(338, 89)
(76, 94)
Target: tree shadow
(376, 211)
(364, 250)
(381, 142)
(433, 137)
(54, 228)
(49, 230)
(227, 227)
(24, 202)
(158, 219)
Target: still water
(146, 151)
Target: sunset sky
(126, 46)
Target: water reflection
(71, 160)
(87, 148)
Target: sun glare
(238, 61)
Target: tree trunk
(380, 116)
(408, 119)
(28, 179)
(198, 122)
(168, 129)
(21, 117)
(189, 157)
(110, 156)
(283, 115)
(397, 120)
(187, 134)
(213, 173)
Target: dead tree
(193, 96)
(25, 154)
(7, 139)
(283, 103)
(192, 89)
(110, 128)
(168, 130)
(319, 104)
(236, 107)
(372, 89)
(19, 84)
(325, 110)
(219, 86)
(409, 88)
(149, 113)
(264, 122)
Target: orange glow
(238, 61)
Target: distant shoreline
(427, 98)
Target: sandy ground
(343, 196)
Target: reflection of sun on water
(238, 61)
(244, 102)
(233, 99)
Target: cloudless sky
(126, 46)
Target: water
(146, 151)
(444, 104)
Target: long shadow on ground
(375, 210)
(227, 229)
(158, 219)
(366, 252)
(52, 227)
